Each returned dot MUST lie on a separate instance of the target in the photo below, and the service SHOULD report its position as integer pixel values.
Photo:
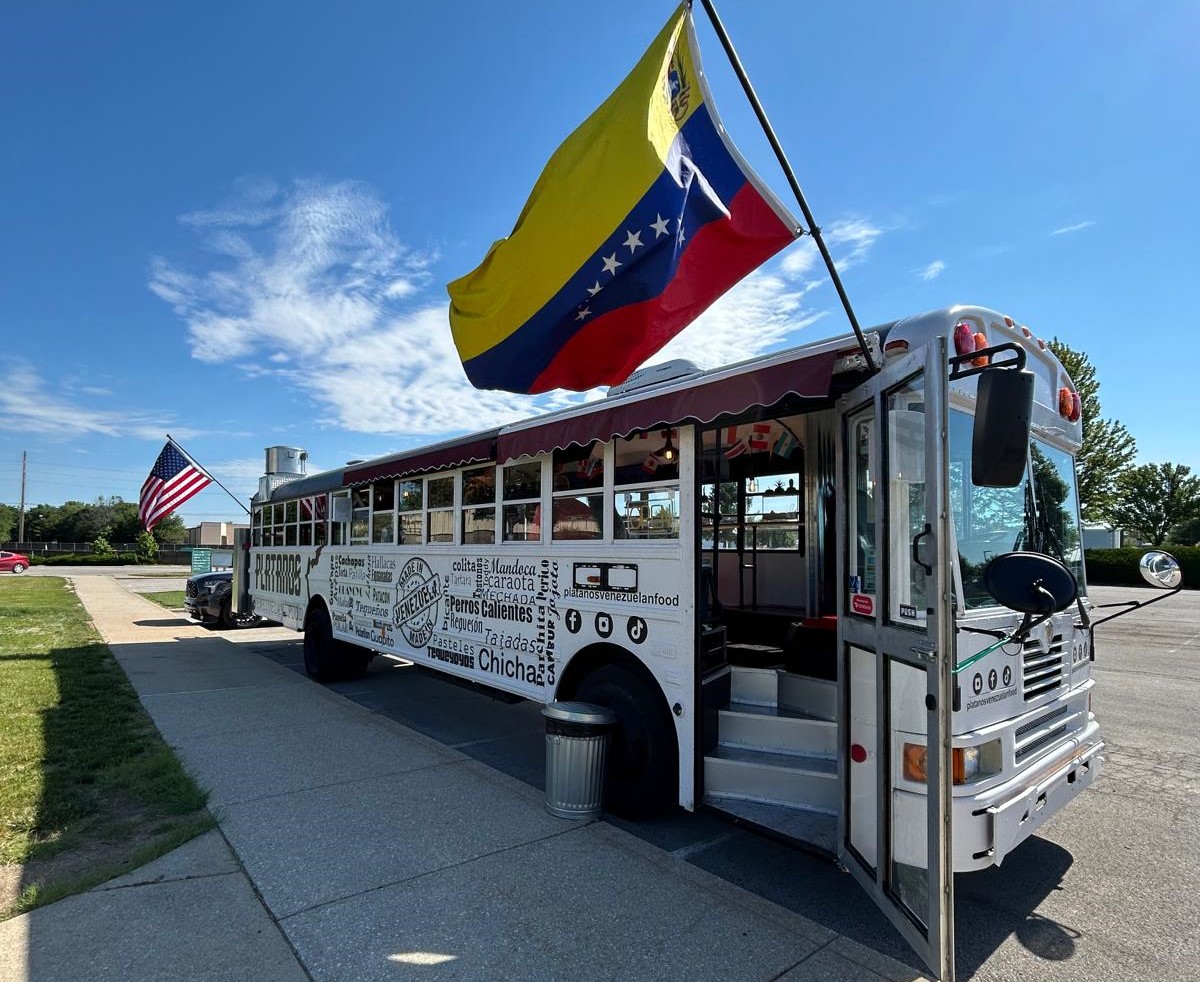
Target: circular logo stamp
(417, 610)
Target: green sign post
(201, 561)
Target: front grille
(191, 589)
(1034, 745)
(1041, 667)
(1037, 724)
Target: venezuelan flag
(640, 220)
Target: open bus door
(895, 649)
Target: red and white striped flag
(173, 480)
(735, 446)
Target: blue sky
(235, 222)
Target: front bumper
(990, 825)
(206, 609)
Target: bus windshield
(1040, 515)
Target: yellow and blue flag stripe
(640, 220)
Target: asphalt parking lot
(1106, 890)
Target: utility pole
(21, 511)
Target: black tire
(320, 652)
(225, 618)
(642, 780)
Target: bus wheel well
(588, 660)
(642, 774)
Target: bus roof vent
(667, 371)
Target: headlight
(215, 586)
(967, 763)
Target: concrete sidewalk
(351, 847)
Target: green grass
(170, 599)
(87, 785)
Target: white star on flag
(660, 227)
(594, 289)
(583, 313)
(611, 264)
(633, 240)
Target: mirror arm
(1130, 606)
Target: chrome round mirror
(1161, 569)
(1030, 582)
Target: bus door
(895, 649)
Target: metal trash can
(577, 735)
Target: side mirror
(1000, 442)
(1031, 583)
(1161, 569)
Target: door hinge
(925, 652)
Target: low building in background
(213, 533)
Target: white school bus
(779, 575)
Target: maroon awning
(477, 448)
(703, 401)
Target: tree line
(108, 519)
(1157, 503)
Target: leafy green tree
(8, 523)
(147, 548)
(1186, 533)
(1154, 498)
(170, 531)
(101, 546)
(1108, 447)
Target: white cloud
(1072, 228)
(325, 297)
(932, 271)
(28, 405)
(313, 288)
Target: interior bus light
(667, 450)
(966, 763)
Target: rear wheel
(643, 758)
(325, 658)
(320, 654)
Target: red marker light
(964, 338)
(1064, 402)
(858, 753)
(981, 342)
(1076, 407)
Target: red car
(13, 561)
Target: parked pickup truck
(209, 600)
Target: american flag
(173, 480)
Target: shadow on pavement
(165, 622)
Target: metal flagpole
(194, 462)
(813, 229)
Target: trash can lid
(579, 712)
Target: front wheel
(642, 779)
(19, 567)
(225, 618)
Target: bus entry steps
(776, 746)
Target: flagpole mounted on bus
(200, 467)
(813, 228)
